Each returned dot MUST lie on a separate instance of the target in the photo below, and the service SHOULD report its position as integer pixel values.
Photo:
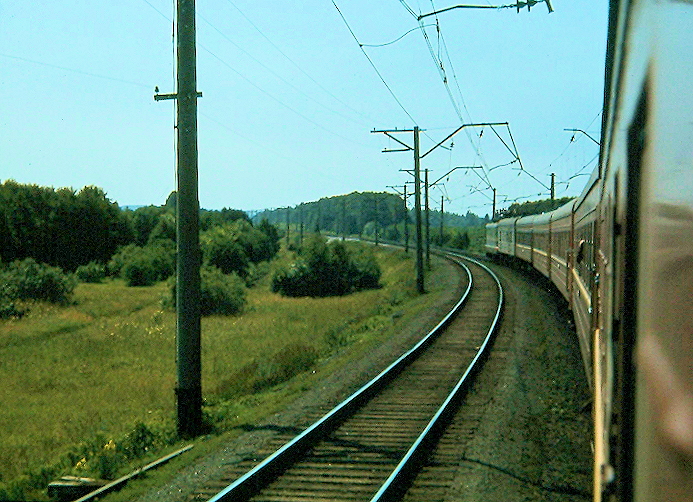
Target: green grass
(76, 377)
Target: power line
(270, 95)
(409, 9)
(373, 64)
(297, 66)
(75, 70)
(308, 96)
(395, 40)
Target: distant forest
(360, 213)
(532, 207)
(68, 228)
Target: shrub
(460, 240)
(219, 293)
(366, 271)
(28, 280)
(221, 249)
(7, 310)
(93, 272)
(143, 266)
(140, 271)
(327, 270)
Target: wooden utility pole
(442, 218)
(428, 223)
(406, 221)
(189, 387)
(417, 195)
(553, 186)
(417, 205)
(404, 214)
(344, 218)
(375, 217)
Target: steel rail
(273, 466)
(398, 481)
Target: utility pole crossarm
(518, 5)
(173, 95)
(387, 133)
(419, 18)
(459, 129)
(583, 132)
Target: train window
(581, 251)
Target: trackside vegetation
(88, 385)
(87, 326)
(327, 269)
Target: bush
(140, 270)
(93, 272)
(327, 270)
(460, 240)
(221, 249)
(7, 310)
(28, 280)
(143, 266)
(219, 293)
(233, 247)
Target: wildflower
(109, 446)
(81, 464)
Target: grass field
(90, 386)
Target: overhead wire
(297, 66)
(440, 67)
(76, 70)
(373, 65)
(270, 95)
(277, 100)
(270, 70)
(395, 40)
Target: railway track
(370, 446)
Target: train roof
(535, 219)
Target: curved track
(369, 445)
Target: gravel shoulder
(533, 436)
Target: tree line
(529, 208)
(68, 228)
(361, 213)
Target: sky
(292, 92)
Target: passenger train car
(622, 256)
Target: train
(621, 254)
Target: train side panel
(524, 239)
(583, 273)
(506, 236)
(560, 245)
(541, 243)
(664, 326)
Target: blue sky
(289, 98)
